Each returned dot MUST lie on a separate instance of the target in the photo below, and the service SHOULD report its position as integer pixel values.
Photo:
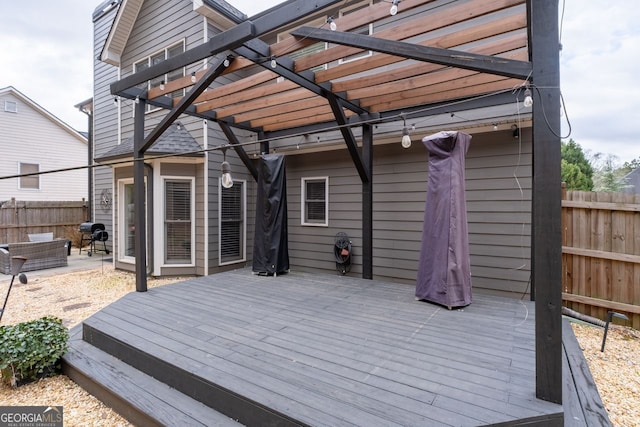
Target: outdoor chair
(40, 255)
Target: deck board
(335, 350)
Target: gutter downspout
(87, 111)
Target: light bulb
(225, 180)
(137, 101)
(193, 77)
(394, 8)
(274, 64)
(162, 85)
(226, 62)
(332, 24)
(528, 99)
(406, 139)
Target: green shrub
(32, 350)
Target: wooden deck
(309, 349)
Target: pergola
(429, 54)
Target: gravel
(77, 295)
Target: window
(29, 182)
(366, 30)
(178, 221)
(315, 201)
(126, 221)
(11, 106)
(156, 59)
(311, 49)
(232, 223)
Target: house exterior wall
(31, 135)
(498, 207)
(159, 25)
(105, 126)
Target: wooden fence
(601, 254)
(20, 218)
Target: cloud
(47, 53)
(598, 65)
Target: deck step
(139, 398)
(168, 368)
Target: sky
(46, 53)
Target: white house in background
(34, 140)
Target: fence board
(20, 218)
(601, 253)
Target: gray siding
(105, 128)
(498, 211)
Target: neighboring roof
(44, 112)
(175, 140)
(632, 180)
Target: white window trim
(20, 187)
(365, 54)
(303, 198)
(151, 108)
(193, 219)
(11, 106)
(244, 224)
(121, 213)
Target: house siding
(29, 136)
(498, 209)
(105, 126)
(158, 26)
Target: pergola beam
(448, 57)
(257, 50)
(186, 101)
(235, 143)
(350, 140)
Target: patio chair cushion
(40, 237)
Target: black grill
(93, 232)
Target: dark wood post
(139, 197)
(546, 256)
(367, 203)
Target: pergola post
(546, 225)
(139, 196)
(367, 203)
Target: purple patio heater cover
(444, 267)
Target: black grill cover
(271, 248)
(91, 227)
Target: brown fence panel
(20, 218)
(601, 253)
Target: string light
(274, 64)
(528, 99)
(406, 139)
(225, 180)
(332, 24)
(161, 84)
(394, 8)
(193, 77)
